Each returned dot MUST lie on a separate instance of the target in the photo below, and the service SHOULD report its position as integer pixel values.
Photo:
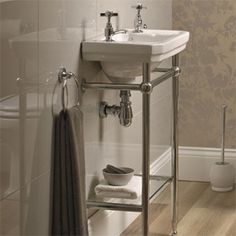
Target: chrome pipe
(161, 70)
(124, 111)
(137, 87)
(146, 150)
(114, 206)
(92, 85)
(174, 153)
(162, 78)
(157, 177)
(158, 190)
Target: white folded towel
(130, 191)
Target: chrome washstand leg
(174, 151)
(146, 150)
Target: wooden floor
(202, 212)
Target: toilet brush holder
(222, 173)
(222, 177)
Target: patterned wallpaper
(209, 71)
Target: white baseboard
(195, 162)
(194, 165)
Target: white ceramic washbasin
(122, 58)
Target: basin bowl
(123, 72)
(122, 58)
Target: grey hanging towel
(68, 196)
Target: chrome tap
(124, 111)
(109, 29)
(121, 31)
(138, 22)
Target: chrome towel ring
(62, 78)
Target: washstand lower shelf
(157, 183)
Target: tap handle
(139, 7)
(109, 14)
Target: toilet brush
(222, 173)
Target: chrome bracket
(146, 88)
(177, 71)
(63, 75)
(105, 110)
(82, 87)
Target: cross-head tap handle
(139, 6)
(109, 14)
